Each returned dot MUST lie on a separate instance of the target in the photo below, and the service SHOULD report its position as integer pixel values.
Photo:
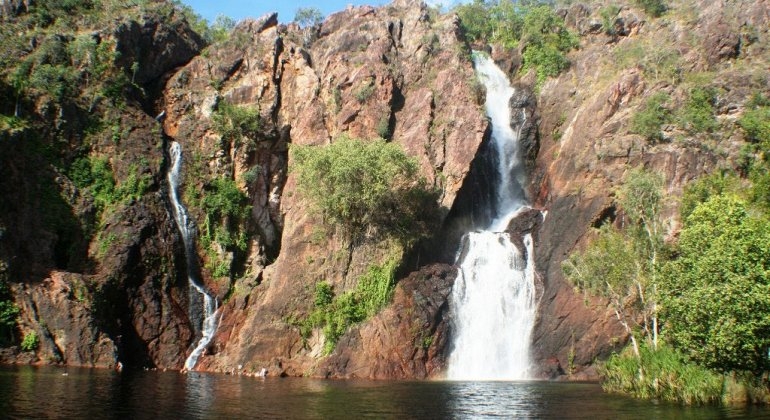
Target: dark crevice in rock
(471, 210)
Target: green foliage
(756, 123)
(134, 186)
(335, 314)
(545, 37)
(475, 20)
(697, 115)
(9, 312)
(365, 91)
(30, 342)
(94, 175)
(703, 189)
(622, 266)
(662, 374)
(224, 199)
(323, 294)
(227, 210)
(383, 127)
(606, 267)
(236, 123)
(547, 40)
(653, 8)
(609, 15)
(58, 81)
(359, 186)
(716, 294)
(651, 117)
(642, 199)
(221, 28)
(308, 16)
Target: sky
(239, 9)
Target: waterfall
(187, 229)
(494, 299)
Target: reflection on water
(27, 392)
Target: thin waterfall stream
(187, 229)
(494, 296)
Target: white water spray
(210, 317)
(494, 297)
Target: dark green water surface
(48, 392)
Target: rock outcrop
(407, 340)
(587, 145)
(397, 72)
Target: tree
(642, 199)
(308, 16)
(609, 268)
(221, 28)
(716, 294)
(623, 266)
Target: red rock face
(393, 72)
(407, 340)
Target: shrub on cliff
(335, 314)
(8, 309)
(365, 188)
(654, 8)
(651, 117)
(236, 124)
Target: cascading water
(210, 317)
(493, 298)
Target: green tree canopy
(360, 185)
(308, 16)
(716, 294)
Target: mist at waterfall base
(204, 315)
(45, 392)
(493, 300)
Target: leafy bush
(323, 294)
(335, 314)
(227, 210)
(547, 40)
(662, 374)
(715, 294)
(94, 175)
(365, 91)
(653, 8)
(9, 312)
(308, 16)
(236, 123)
(700, 191)
(359, 186)
(609, 15)
(697, 115)
(30, 342)
(544, 36)
(651, 117)
(756, 124)
(224, 199)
